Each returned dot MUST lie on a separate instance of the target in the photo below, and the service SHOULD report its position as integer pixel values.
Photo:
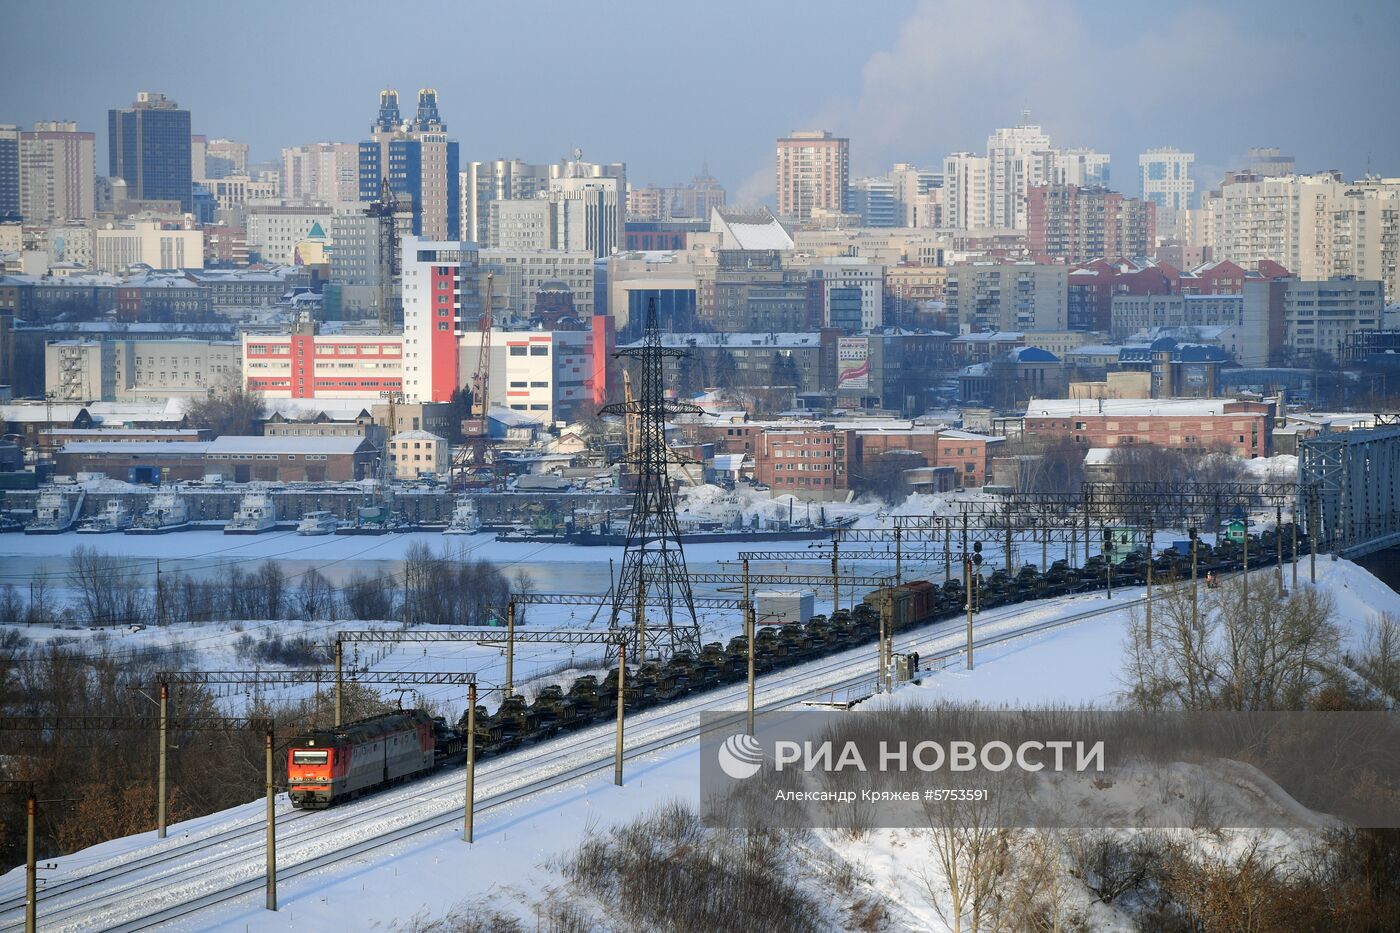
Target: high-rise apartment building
(917, 195)
(590, 207)
(1069, 223)
(991, 192)
(1017, 296)
(501, 180)
(1013, 167)
(874, 200)
(1316, 226)
(1083, 167)
(149, 148)
(225, 157)
(579, 206)
(327, 172)
(966, 192)
(1269, 160)
(9, 172)
(813, 172)
(692, 201)
(419, 160)
(1164, 178)
(58, 173)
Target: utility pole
(621, 694)
(1312, 538)
(880, 642)
(471, 762)
(1195, 588)
(510, 648)
(1245, 575)
(898, 575)
(749, 637)
(835, 580)
(888, 650)
(967, 587)
(1108, 559)
(1086, 527)
(1150, 554)
(160, 599)
(31, 868)
(271, 830)
(339, 659)
(1293, 526)
(1044, 543)
(1008, 540)
(1278, 543)
(948, 549)
(161, 769)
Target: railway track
(220, 866)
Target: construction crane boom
(481, 379)
(476, 442)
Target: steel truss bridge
(1350, 489)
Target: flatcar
(326, 767)
(331, 765)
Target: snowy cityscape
(879, 531)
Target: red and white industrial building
(545, 375)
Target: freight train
(329, 766)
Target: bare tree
(971, 854)
(107, 591)
(40, 591)
(12, 608)
(1274, 654)
(522, 583)
(316, 597)
(1380, 656)
(231, 408)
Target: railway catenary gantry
(313, 676)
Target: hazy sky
(665, 86)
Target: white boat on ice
(255, 514)
(115, 517)
(464, 520)
(167, 512)
(318, 523)
(52, 513)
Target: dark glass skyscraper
(149, 148)
(9, 173)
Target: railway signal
(271, 826)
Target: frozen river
(554, 568)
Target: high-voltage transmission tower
(653, 564)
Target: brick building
(1069, 223)
(817, 459)
(240, 459)
(1242, 427)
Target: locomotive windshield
(309, 758)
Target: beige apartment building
(813, 173)
(1316, 226)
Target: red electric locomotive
(326, 767)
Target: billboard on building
(853, 364)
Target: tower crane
(475, 451)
